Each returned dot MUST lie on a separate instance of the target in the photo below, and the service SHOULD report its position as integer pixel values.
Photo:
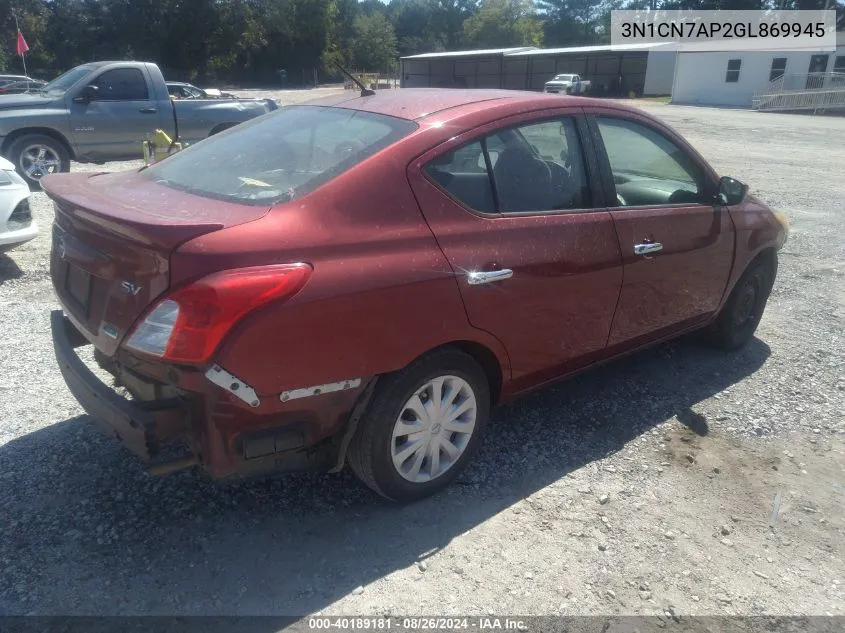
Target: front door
(114, 124)
(677, 247)
(534, 251)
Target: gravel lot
(646, 484)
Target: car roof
(418, 103)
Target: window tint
(541, 168)
(277, 157)
(648, 169)
(463, 174)
(732, 76)
(778, 68)
(121, 84)
(537, 167)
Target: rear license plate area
(78, 286)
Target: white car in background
(16, 223)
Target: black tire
(369, 451)
(19, 146)
(741, 314)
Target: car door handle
(645, 249)
(147, 110)
(478, 278)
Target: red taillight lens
(187, 324)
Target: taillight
(187, 324)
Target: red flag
(22, 45)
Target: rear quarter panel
(381, 293)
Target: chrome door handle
(147, 110)
(476, 279)
(645, 249)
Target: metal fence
(802, 91)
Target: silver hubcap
(39, 160)
(433, 429)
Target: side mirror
(731, 190)
(87, 94)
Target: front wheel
(423, 426)
(36, 155)
(744, 308)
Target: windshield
(279, 156)
(563, 78)
(64, 81)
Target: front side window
(532, 168)
(277, 157)
(648, 169)
(732, 75)
(121, 84)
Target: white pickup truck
(569, 84)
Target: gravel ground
(644, 485)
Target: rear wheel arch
(488, 361)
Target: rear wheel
(744, 308)
(423, 426)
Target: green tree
(374, 47)
(502, 23)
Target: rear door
(124, 113)
(515, 207)
(677, 245)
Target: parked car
(361, 279)
(16, 223)
(179, 90)
(568, 84)
(20, 87)
(7, 79)
(103, 111)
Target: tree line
(249, 41)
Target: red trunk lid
(112, 239)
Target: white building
(732, 78)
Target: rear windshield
(279, 156)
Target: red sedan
(360, 279)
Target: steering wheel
(621, 201)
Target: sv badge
(131, 288)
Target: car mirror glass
(87, 94)
(731, 190)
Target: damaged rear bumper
(141, 426)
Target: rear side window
(121, 84)
(532, 168)
(463, 174)
(280, 156)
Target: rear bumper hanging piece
(233, 385)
